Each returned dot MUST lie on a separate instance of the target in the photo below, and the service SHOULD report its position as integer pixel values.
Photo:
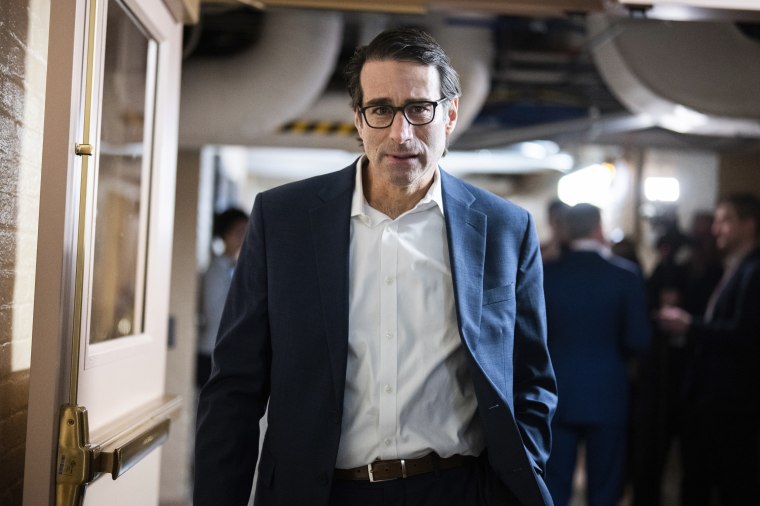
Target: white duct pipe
(698, 78)
(237, 99)
(470, 49)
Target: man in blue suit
(597, 318)
(390, 315)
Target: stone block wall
(23, 62)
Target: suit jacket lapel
(330, 226)
(727, 289)
(466, 230)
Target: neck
(393, 201)
(394, 205)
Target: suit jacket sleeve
(738, 319)
(534, 383)
(235, 397)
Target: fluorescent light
(708, 4)
(588, 185)
(661, 189)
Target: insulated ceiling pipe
(236, 99)
(467, 41)
(690, 77)
(470, 48)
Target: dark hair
(401, 44)
(224, 221)
(581, 220)
(556, 208)
(746, 205)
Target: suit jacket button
(322, 479)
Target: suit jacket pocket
(498, 294)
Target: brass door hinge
(74, 464)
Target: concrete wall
(180, 368)
(740, 172)
(23, 61)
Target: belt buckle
(372, 474)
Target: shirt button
(388, 389)
(388, 280)
(387, 442)
(389, 335)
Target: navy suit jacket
(724, 378)
(596, 314)
(284, 340)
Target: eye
(418, 109)
(380, 110)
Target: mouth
(401, 156)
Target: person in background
(658, 397)
(597, 321)
(722, 419)
(392, 317)
(626, 248)
(229, 226)
(552, 248)
(685, 275)
(702, 265)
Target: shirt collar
(732, 261)
(360, 206)
(590, 245)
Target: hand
(674, 319)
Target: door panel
(110, 217)
(122, 355)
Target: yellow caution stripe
(319, 128)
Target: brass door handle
(115, 449)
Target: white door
(97, 408)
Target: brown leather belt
(385, 470)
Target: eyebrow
(387, 101)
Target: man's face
(731, 232)
(404, 155)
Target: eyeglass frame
(435, 104)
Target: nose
(401, 130)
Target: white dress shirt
(408, 391)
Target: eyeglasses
(416, 113)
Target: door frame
(54, 305)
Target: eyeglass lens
(416, 113)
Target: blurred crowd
(656, 363)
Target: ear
(451, 115)
(358, 123)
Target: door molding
(54, 327)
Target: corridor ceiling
(546, 79)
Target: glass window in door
(123, 179)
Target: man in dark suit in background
(596, 315)
(722, 421)
(392, 317)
